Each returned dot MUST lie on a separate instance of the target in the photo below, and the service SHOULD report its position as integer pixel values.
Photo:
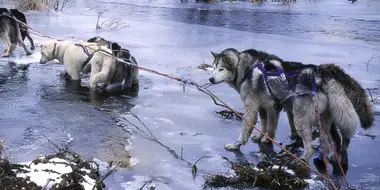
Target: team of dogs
(310, 94)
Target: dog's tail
(352, 91)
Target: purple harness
(87, 53)
(291, 92)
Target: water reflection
(284, 21)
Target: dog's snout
(212, 80)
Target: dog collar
(54, 49)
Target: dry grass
(110, 23)
(35, 5)
(40, 5)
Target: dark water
(174, 38)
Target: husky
(10, 34)
(115, 47)
(75, 55)
(125, 75)
(239, 72)
(325, 96)
(23, 26)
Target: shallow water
(175, 38)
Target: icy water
(175, 38)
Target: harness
(290, 90)
(89, 56)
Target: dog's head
(224, 65)
(48, 51)
(115, 47)
(99, 40)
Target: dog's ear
(115, 46)
(91, 39)
(214, 54)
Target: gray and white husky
(312, 95)
(325, 96)
(240, 72)
(126, 76)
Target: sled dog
(126, 75)
(115, 47)
(10, 34)
(325, 96)
(75, 55)
(238, 71)
(23, 28)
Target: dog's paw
(29, 53)
(257, 138)
(265, 140)
(32, 48)
(232, 147)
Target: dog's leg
(324, 130)
(21, 43)
(263, 122)
(7, 51)
(345, 145)
(303, 112)
(10, 49)
(273, 116)
(293, 131)
(250, 119)
(95, 69)
(73, 72)
(108, 67)
(337, 142)
(32, 47)
(135, 73)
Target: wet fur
(239, 71)
(10, 35)
(73, 59)
(342, 104)
(125, 75)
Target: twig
(369, 60)
(150, 181)
(194, 168)
(107, 174)
(370, 94)
(47, 183)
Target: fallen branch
(370, 59)
(226, 114)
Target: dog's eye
(222, 69)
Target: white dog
(76, 55)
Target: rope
(204, 90)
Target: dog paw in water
(265, 140)
(232, 147)
(257, 138)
